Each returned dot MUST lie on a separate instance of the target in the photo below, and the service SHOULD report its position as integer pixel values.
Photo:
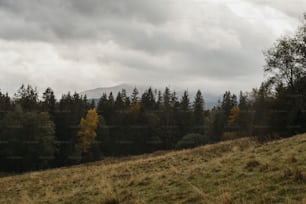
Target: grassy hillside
(239, 171)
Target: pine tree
(228, 102)
(174, 101)
(92, 104)
(159, 100)
(119, 103)
(109, 111)
(217, 124)
(148, 100)
(167, 135)
(5, 104)
(261, 106)
(49, 101)
(125, 98)
(102, 105)
(244, 120)
(134, 97)
(166, 99)
(198, 112)
(184, 115)
(30, 140)
(185, 102)
(70, 111)
(27, 97)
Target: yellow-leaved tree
(232, 124)
(87, 132)
(234, 114)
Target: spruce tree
(198, 113)
(30, 140)
(49, 101)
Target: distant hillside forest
(42, 133)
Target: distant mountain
(97, 92)
(210, 99)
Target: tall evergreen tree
(174, 101)
(166, 115)
(167, 98)
(185, 101)
(70, 111)
(198, 112)
(119, 103)
(49, 101)
(184, 118)
(27, 97)
(262, 110)
(148, 100)
(245, 115)
(5, 104)
(30, 140)
(102, 105)
(159, 100)
(134, 97)
(217, 125)
(110, 108)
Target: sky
(76, 45)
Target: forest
(44, 132)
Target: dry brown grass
(238, 171)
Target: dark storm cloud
(75, 19)
(154, 12)
(164, 41)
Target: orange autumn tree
(87, 132)
(231, 124)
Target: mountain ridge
(95, 93)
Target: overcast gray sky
(214, 45)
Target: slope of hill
(239, 171)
